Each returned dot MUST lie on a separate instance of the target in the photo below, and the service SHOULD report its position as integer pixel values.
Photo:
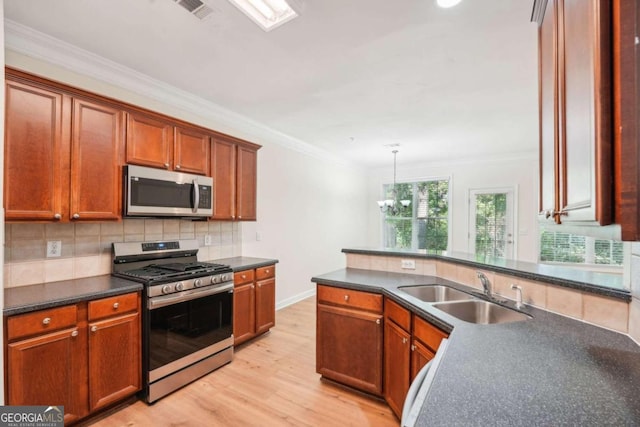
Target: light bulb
(447, 3)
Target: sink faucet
(486, 284)
(518, 289)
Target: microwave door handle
(196, 190)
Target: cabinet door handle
(252, 287)
(116, 305)
(76, 216)
(94, 328)
(57, 216)
(177, 166)
(259, 285)
(46, 320)
(413, 347)
(377, 321)
(74, 333)
(404, 340)
(166, 165)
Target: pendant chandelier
(393, 206)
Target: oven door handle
(157, 302)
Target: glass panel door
(491, 227)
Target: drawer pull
(74, 333)
(46, 320)
(116, 305)
(244, 276)
(94, 328)
(346, 297)
(267, 271)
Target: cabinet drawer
(401, 316)
(242, 277)
(42, 321)
(113, 306)
(427, 333)
(350, 298)
(265, 272)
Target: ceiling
(349, 77)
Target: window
(491, 223)
(424, 224)
(557, 246)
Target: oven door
(184, 329)
(156, 192)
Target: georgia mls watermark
(31, 416)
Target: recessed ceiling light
(447, 3)
(268, 14)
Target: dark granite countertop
(23, 299)
(240, 263)
(550, 370)
(607, 284)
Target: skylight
(268, 14)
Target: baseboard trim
(296, 298)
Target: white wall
(1, 193)
(309, 205)
(517, 172)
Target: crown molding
(30, 42)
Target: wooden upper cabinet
(234, 172)
(36, 152)
(247, 183)
(191, 151)
(576, 148)
(149, 142)
(96, 149)
(626, 99)
(223, 171)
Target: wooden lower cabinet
(254, 302)
(49, 369)
(349, 338)
(62, 356)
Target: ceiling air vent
(196, 7)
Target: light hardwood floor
(271, 382)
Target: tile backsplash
(86, 247)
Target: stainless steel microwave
(161, 193)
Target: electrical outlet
(207, 239)
(408, 264)
(54, 248)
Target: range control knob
(226, 277)
(215, 279)
(166, 289)
(180, 286)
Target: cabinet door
(349, 347)
(114, 359)
(36, 152)
(397, 358)
(49, 370)
(191, 151)
(265, 305)
(585, 111)
(244, 313)
(223, 171)
(549, 162)
(149, 142)
(97, 140)
(246, 185)
(420, 356)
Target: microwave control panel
(205, 197)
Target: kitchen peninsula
(550, 369)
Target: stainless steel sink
(435, 293)
(480, 311)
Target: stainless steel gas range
(187, 320)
